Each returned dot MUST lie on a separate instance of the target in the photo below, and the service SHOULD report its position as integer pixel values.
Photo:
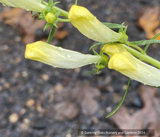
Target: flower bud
(50, 18)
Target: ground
(37, 100)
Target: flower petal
(33, 5)
(58, 57)
(122, 61)
(90, 26)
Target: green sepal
(123, 30)
(46, 26)
(42, 16)
(113, 25)
(120, 103)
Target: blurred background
(37, 100)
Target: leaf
(144, 42)
(92, 72)
(55, 3)
(149, 21)
(146, 118)
(83, 95)
(50, 3)
(95, 45)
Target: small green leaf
(113, 25)
(92, 72)
(50, 3)
(120, 103)
(58, 13)
(149, 44)
(145, 42)
(55, 3)
(46, 26)
(95, 45)
(95, 52)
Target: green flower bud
(50, 18)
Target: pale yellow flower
(58, 57)
(33, 5)
(90, 26)
(122, 61)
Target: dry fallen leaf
(67, 110)
(150, 21)
(147, 118)
(60, 35)
(81, 97)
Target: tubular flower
(90, 26)
(122, 61)
(58, 57)
(33, 5)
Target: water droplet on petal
(149, 75)
(91, 30)
(59, 49)
(95, 34)
(68, 56)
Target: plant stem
(63, 12)
(143, 57)
(63, 20)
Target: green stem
(63, 12)
(143, 57)
(51, 34)
(63, 20)
(76, 2)
(121, 102)
(136, 47)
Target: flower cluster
(120, 59)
